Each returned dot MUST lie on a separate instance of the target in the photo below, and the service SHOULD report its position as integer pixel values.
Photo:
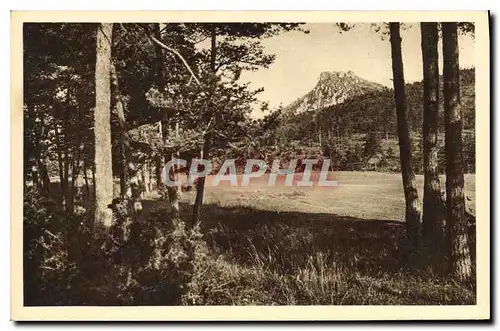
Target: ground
(363, 195)
(316, 245)
(282, 245)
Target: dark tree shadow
(285, 241)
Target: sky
(300, 59)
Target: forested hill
(370, 111)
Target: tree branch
(174, 51)
(208, 125)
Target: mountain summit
(333, 87)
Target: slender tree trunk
(62, 167)
(173, 196)
(159, 164)
(92, 169)
(59, 157)
(171, 191)
(130, 186)
(178, 188)
(76, 175)
(460, 259)
(86, 179)
(123, 168)
(102, 126)
(146, 175)
(410, 190)
(31, 150)
(200, 184)
(433, 208)
(174, 192)
(68, 189)
(34, 176)
(44, 174)
(160, 82)
(77, 178)
(78, 163)
(200, 188)
(41, 162)
(124, 142)
(42, 167)
(158, 171)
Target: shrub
(70, 261)
(48, 269)
(372, 145)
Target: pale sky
(300, 58)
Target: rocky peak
(333, 87)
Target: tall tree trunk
(77, 182)
(62, 166)
(200, 184)
(68, 190)
(44, 174)
(92, 169)
(433, 210)
(86, 180)
(130, 188)
(31, 150)
(200, 187)
(34, 175)
(124, 141)
(160, 82)
(158, 171)
(146, 175)
(145, 172)
(102, 126)
(171, 191)
(178, 187)
(410, 190)
(42, 167)
(460, 260)
(78, 161)
(123, 168)
(41, 161)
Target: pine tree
(102, 126)
(433, 206)
(456, 225)
(407, 172)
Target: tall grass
(237, 256)
(276, 259)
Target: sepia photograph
(319, 163)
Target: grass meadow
(289, 245)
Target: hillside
(368, 107)
(332, 88)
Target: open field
(269, 245)
(315, 245)
(362, 195)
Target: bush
(372, 145)
(48, 267)
(69, 261)
(345, 155)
